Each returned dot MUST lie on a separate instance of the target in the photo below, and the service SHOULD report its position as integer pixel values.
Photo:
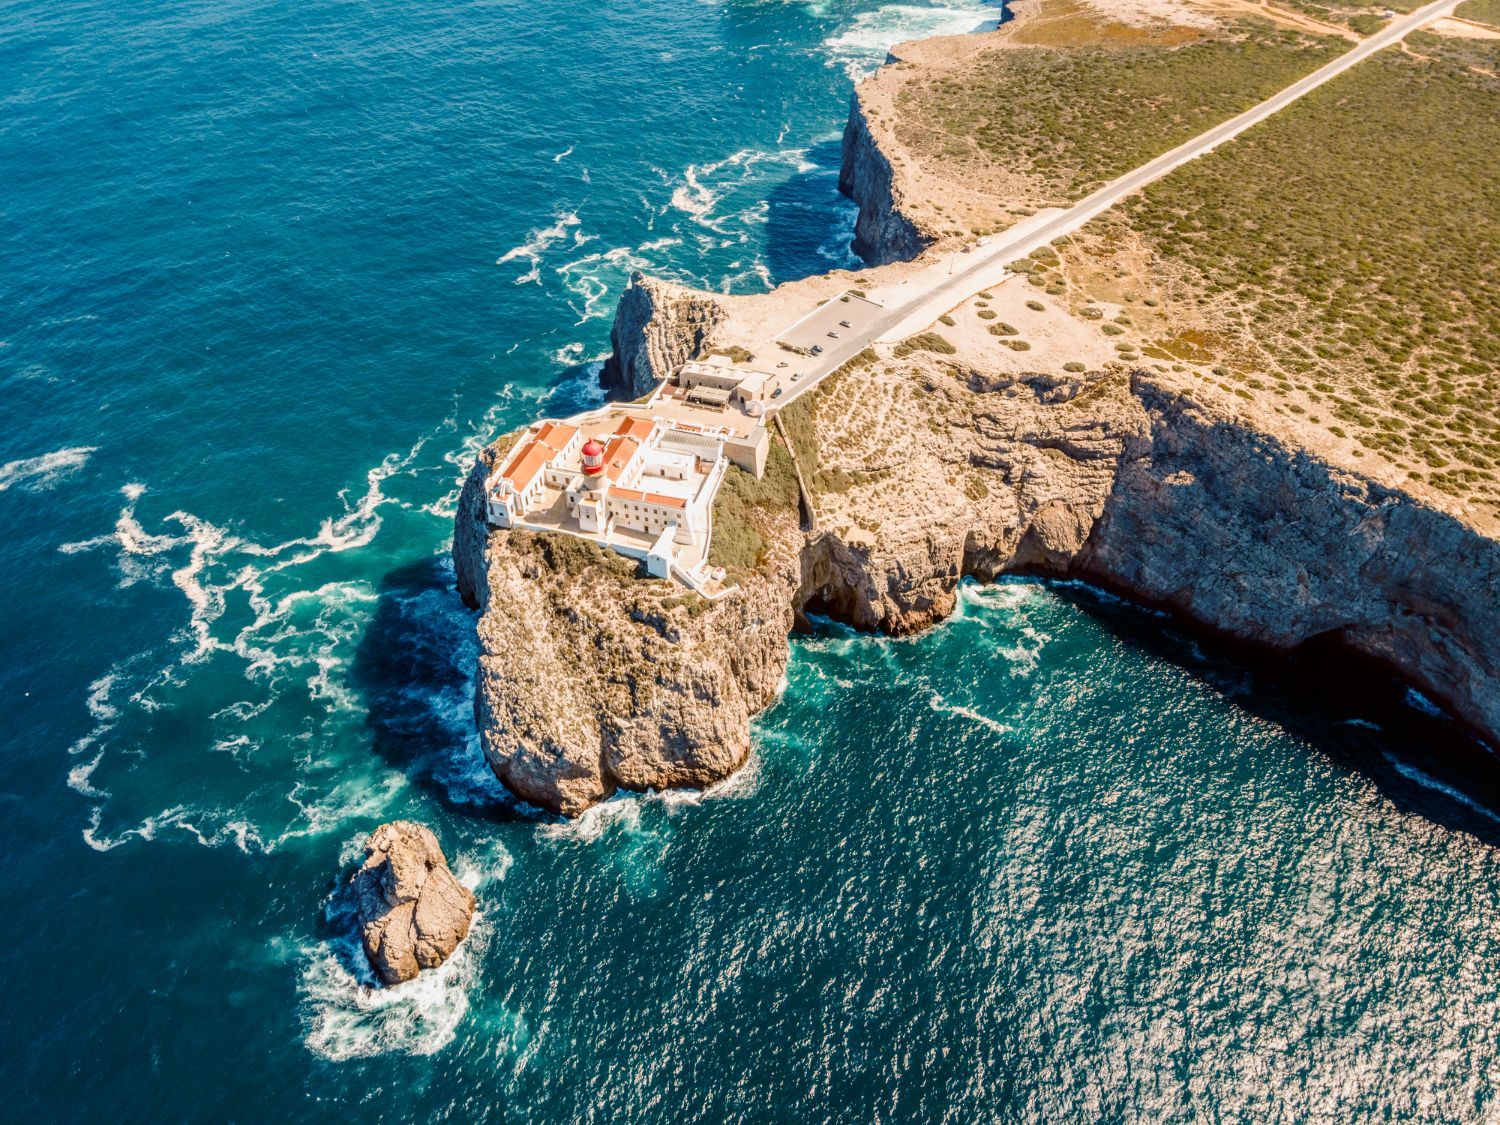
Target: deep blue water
(269, 274)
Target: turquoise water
(272, 272)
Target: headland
(1047, 369)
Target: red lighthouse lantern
(593, 460)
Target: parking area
(845, 317)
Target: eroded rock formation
(657, 326)
(883, 231)
(592, 678)
(413, 912)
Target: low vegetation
(924, 342)
(1056, 122)
(744, 507)
(571, 556)
(1481, 11)
(1341, 263)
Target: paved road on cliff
(937, 290)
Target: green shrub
(926, 342)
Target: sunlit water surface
(273, 272)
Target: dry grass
(1481, 11)
(1067, 23)
(1054, 123)
(1341, 263)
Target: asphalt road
(984, 265)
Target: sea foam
(36, 474)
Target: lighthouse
(593, 463)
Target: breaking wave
(862, 46)
(261, 661)
(37, 474)
(537, 243)
(347, 1014)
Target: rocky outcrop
(884, 231)
(1180, 505)
(1049, 468)
(412, 911)
(658, 326)
(592, 678)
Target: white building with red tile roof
(517, 486)
(649, 491)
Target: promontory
(1132, 317)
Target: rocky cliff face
(1139, 486)
(883, 232)
(1038, 470)
(658, 326)
(593, 678)
(1268, 544)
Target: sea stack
(413, 912)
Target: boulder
(413, 912)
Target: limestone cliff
(884, 231)
(1138, 484)
(926, 468)
(592, 677)
(412, 911)
(657, 326)
(1267, 543)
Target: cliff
(1141, 483)
(927, 468)
(657, 327)
(592, 677)
(884, 230)
(1265, 542)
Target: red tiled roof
(617, 455)
(556, 434)
(530, 458)
(639, 428)
(523, 470)
(647, 497)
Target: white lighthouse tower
(592, 507)
(593, 464)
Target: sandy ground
(1464, 29)
(1145, 13)
(1055, 337)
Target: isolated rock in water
(412, 911)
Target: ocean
(273, 272)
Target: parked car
(817, 349)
